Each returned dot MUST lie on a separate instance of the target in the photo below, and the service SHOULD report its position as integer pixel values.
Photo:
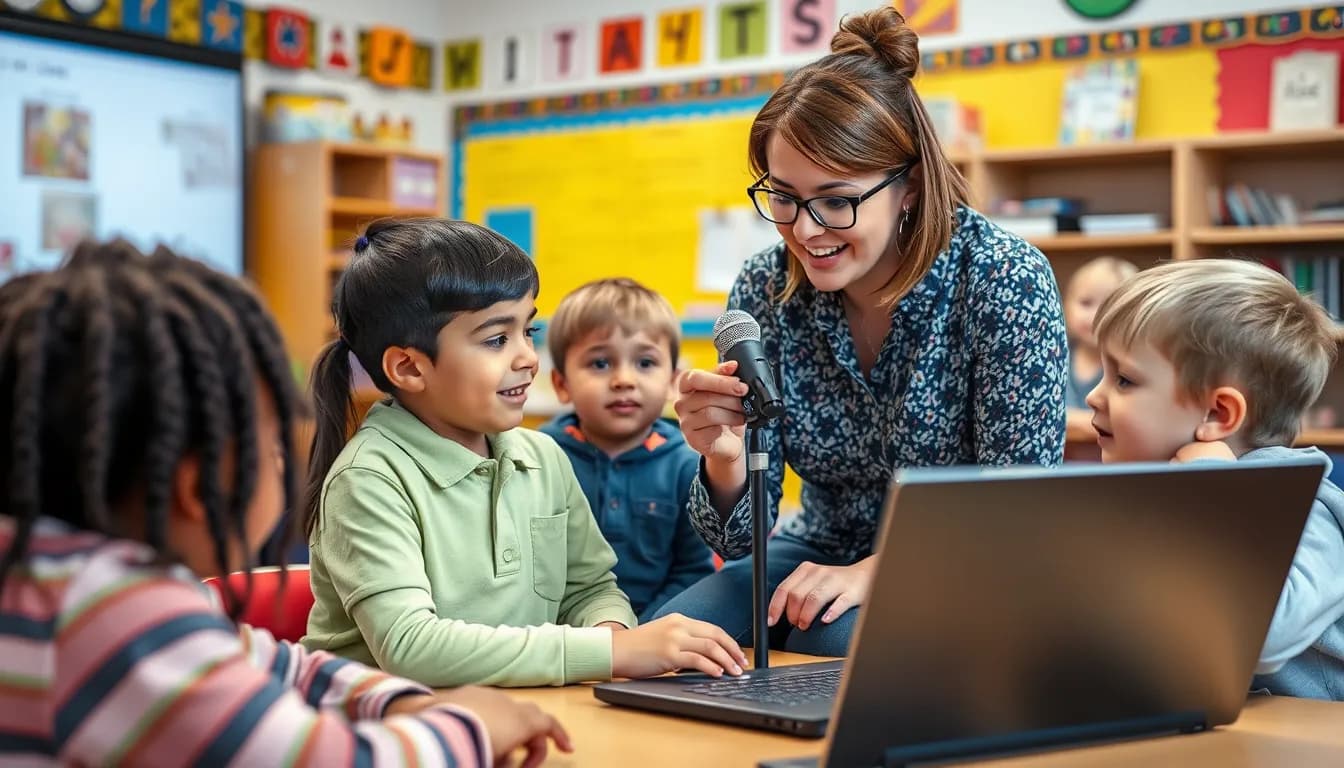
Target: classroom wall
(980, 21)
(429, 110)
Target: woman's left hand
(811, 587)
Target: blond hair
(1118, 268)
(617, 302)
(1229, 322)
(856, 111)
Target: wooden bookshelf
(308, 203)
(1173, 179)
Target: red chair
(283, 611)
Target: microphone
(737, 337)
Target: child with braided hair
(146, 406)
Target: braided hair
(115, 366)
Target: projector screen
(97, 141)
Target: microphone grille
(732, 327)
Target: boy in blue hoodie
(614, 346)
(1219, 359)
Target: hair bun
(883, 34)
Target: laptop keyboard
(786, 690)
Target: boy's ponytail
(334, 411)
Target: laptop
(1018, 608)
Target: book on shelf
(1240, 205)
(1100, 102)
(1121, 223)
(1320, 277)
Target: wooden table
(1272, 731)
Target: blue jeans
(724, 598)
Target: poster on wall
(930, 17)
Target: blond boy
(614, 346)
(1220, 359)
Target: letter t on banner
(564, 53)
(806, 25)
(679, 37)
(622, 45)
(741, 30)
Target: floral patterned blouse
(972, 372)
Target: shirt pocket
(550, 555)
(654, 526)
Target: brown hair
(612, 303)
(1226, 321)
(855, 111)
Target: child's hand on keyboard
(674, 643)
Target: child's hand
(510, 724)
(674, 643)
(1214, 449)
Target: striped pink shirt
(107, 658)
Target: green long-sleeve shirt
(448, 568)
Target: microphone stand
(758, 462)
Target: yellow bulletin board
(615, 193)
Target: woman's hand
(672, 643)
(709, 406)
(811, 587)
(510, 724)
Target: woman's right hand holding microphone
(709, 407)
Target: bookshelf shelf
(1078, 241)
(1311, 233)
(1325, 438)
(308, 200)
(355, 206)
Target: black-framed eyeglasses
(830, 211)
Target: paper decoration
(564, 50)
(742, 30)
(462, 65)
(422, 66)
(1305, 91)
(145, 17)
(254, 34)
(806, 25)
(390, 57)
(930, 17)
(338, 52)
(184, 21)
(222, 25)
(1119, 41)
(1100, 100)
(622, 45)
(513, 61)
(287, 40)
(680, 37)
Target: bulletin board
(618, 192)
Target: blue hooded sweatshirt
(1304, 652)
(639, 499)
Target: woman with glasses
(907, 330)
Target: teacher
(907, 329)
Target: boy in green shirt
(448, 546)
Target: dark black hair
(407, 280)
(115, 366)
